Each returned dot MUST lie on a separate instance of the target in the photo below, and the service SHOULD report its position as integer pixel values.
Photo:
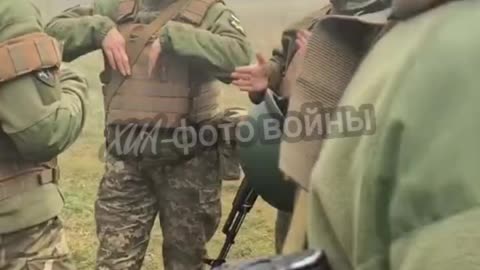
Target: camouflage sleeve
(220, 49)
(80, 29)
(282, 56)
(52, 115)
(278, 61)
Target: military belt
(27, 182)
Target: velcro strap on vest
(402, 9)
(28, 53)
(27, 182)
(196, 11)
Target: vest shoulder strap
(125, 8)
(28, 53)
(195, 12)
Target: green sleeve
(43, 113)
(219, 50)
(282, 55)
(278, 62)
(80, 29)
(435, 207)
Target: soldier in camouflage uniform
(279, 75)
(42, 112)
(183, 190)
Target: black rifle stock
(242, 204)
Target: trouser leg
(125, 211)
(41, 247)
(190, 209)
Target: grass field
(82, 167)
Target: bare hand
(155, 52)
(303, 37)
(114, 47)
(252, 78)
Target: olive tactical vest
(174, 91)
(21, 56)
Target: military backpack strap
(28, 53)
(135, 49)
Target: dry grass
(82, 167)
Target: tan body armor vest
(21, 56)
(174, 91)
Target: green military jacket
(41, 114)
(407, 197)
(219, 50)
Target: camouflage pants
(185, 196)
(282, 226)
(42, 247)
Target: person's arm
(220, 49)
(80, 30)
(43, 113)
(435, 210)
(278, 62)
(282, 56)
(263, 75)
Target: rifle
(242, 204)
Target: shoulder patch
(235, 23)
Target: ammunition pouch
(19, 177)
(28, 53)
(229, 158)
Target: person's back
(41, 114)
(406, 197)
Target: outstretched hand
(252, 78)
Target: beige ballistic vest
(21, 56)
(174, 91)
